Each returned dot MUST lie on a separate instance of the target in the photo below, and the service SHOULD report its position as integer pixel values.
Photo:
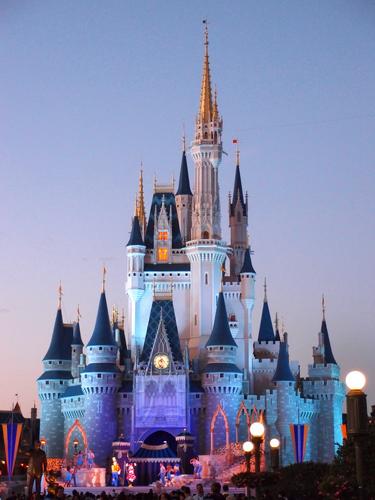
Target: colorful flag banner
(299, 434)
(12, 435)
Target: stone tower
(221, 378)
(52, 384)
(238, 213)
(135, 287)
(206, 251)
(100, 383)
(323, 383)
(184, 199)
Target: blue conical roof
(184, 183)
(221, 334)
(59, 347)
(266, 328)
(102, 334)
(237, 189)
(328, 354)
(283, 372)
(135, 235)
(247, 266)
(77, 340)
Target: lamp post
(357, 421)
(257, 434)
(275, 456)
(248, 447)
(75, 443)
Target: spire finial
(237, 143)
(140, 203)
(276, 322)
(205, 107)
(323, 307)
(79, 315)
(183, 138)
(265, 289)
(104, 278)
(60, 294)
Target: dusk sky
(89, 89)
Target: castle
(185, 366)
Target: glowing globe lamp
(274, 443)
(257, 429)
(355, 380)
(248, 446)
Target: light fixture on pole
(248, 447)
(357, 421)
(75, 443)
(257, 434)
(275, 453)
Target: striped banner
(12, 436)
(299, 434)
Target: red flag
(234, 141)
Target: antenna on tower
(60, 294)
(323, 307)
(104, 278)
(237, 143)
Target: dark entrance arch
(159, 437)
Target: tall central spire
(205, 105)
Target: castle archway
(76, 432)
(219, 411)
(242, 412)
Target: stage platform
(145, 489)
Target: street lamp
(357, 420)
(257, 433)
(275, 457)
(248, 447)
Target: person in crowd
(215, 492)
(36, 467)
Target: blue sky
(91, 89)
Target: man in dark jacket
(37, 466)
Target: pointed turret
(238, 221)
(328, 354)
(184, 183)
(247, 266)
(184, 199)
(283, 372)
(59, 348)
(237, 191)
(221, 334)
(266, 329)
(135, 235)
(77, 340)
(102, 334)
(277, 333)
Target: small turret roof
(77, 340)
(59, 348)
(237, 189)
(135, 235)
(102, 334)
(221, 334)
(184, 183)
(283, 372)
(328, 354)
(247, 266)
(266, 328)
